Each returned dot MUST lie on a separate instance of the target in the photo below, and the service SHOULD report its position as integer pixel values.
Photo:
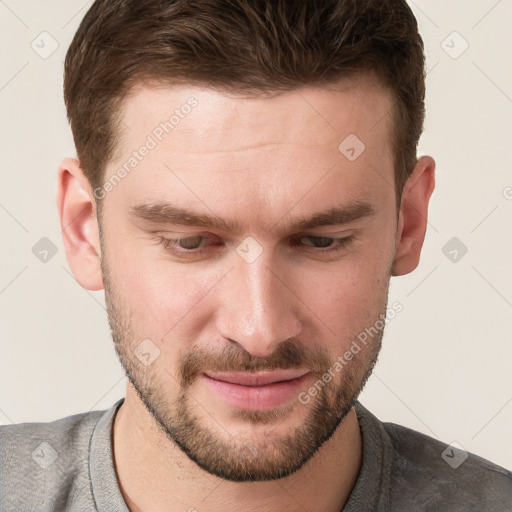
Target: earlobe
(413, 216)
(78, 219)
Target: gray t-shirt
(68, 465)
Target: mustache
(233, 358)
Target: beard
(251, 456)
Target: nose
(257, 308)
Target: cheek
(351, 296)
(346, 305)
(164, 298)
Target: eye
(193, 242)
(184, 245)
(328, 244)
(194, 245)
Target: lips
(262, 378)
(256, 391)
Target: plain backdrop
(446, 365)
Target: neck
(155, 475)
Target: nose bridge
(259, 311)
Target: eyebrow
(163, 212)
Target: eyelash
(339, 244)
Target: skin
(262, 162)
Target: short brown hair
(250, 46)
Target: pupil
(190, 243)
(322, 241)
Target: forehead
(246, 149)
(309, 114)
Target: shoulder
(44, 466)
(428, 474)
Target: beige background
(446, 366)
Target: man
(246, 185)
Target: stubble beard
(237, 458)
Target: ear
(412, 223)
(78, 219)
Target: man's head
(248, 158)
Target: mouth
(257, 391)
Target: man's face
(256, 295)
